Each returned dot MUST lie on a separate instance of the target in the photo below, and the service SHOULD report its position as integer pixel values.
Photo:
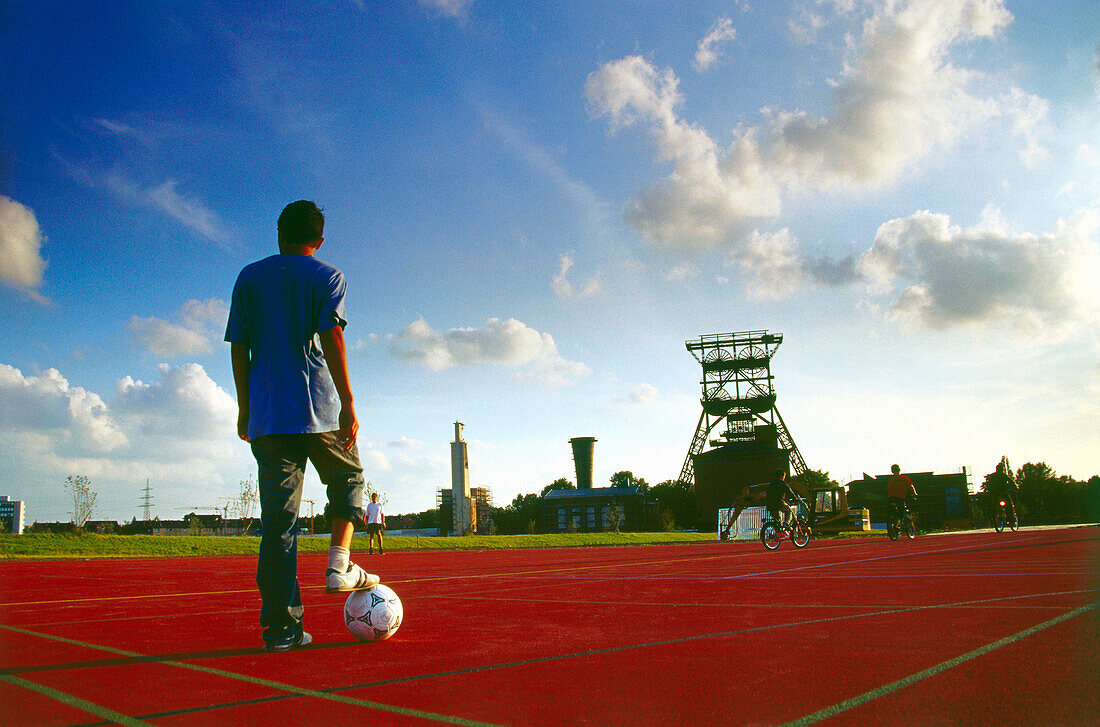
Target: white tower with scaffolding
(462, 506)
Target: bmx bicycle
(1002, 516)
(903, 522)
(798, 530)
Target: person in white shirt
(376, 523)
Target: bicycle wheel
(800, 535)
(769, 536)
(910, 527)
(892, 529)
(1014, 523)
(999, 522)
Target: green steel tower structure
(738, 392)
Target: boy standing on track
(376, 523)
(286, 330)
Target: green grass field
(37, 545)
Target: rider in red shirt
(898, 489)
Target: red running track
(964, 629)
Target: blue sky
(535, 205)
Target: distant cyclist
(778, 493)
(899, 489)
(1000, 485)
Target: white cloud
(1096, 69)
(644, 394)
(184, 405)
(452, 8)
(125, 132)
(1028, 114)
(116, 127)
(898, 96)
(707, 53)
(168, 340)
(573, 189)
(943, 275)
(680, 272)
(189, 212)
(20, 246)
(806, 25)
(201, 323)
(373, 460)
(772, 265)
(179, 431)
(165, 198)
(552, 370)
(506, 343)
(48, 406)
(564, 289)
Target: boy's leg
(381, 548)
(342, 531)
(281, 462)
(342, 475)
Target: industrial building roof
(594, 492)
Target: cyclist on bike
(899, 488)
(778, 493)
(1000, 485)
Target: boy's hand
(349, 426)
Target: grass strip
(44, 545)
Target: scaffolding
(481, 500)
(738, 392)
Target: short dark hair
(780, 473)
(302, 223)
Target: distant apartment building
(12, 514)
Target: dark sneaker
(353, 579)
(304, 640)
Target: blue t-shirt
(279, 306)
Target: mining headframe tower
(750, 440)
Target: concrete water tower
(582, 459)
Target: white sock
(338, 558)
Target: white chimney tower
(462, 519)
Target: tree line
(1045, 497)
(675, 506)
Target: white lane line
(885, 689)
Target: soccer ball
(373, 614)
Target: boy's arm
(242, 362)
(336, 358)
